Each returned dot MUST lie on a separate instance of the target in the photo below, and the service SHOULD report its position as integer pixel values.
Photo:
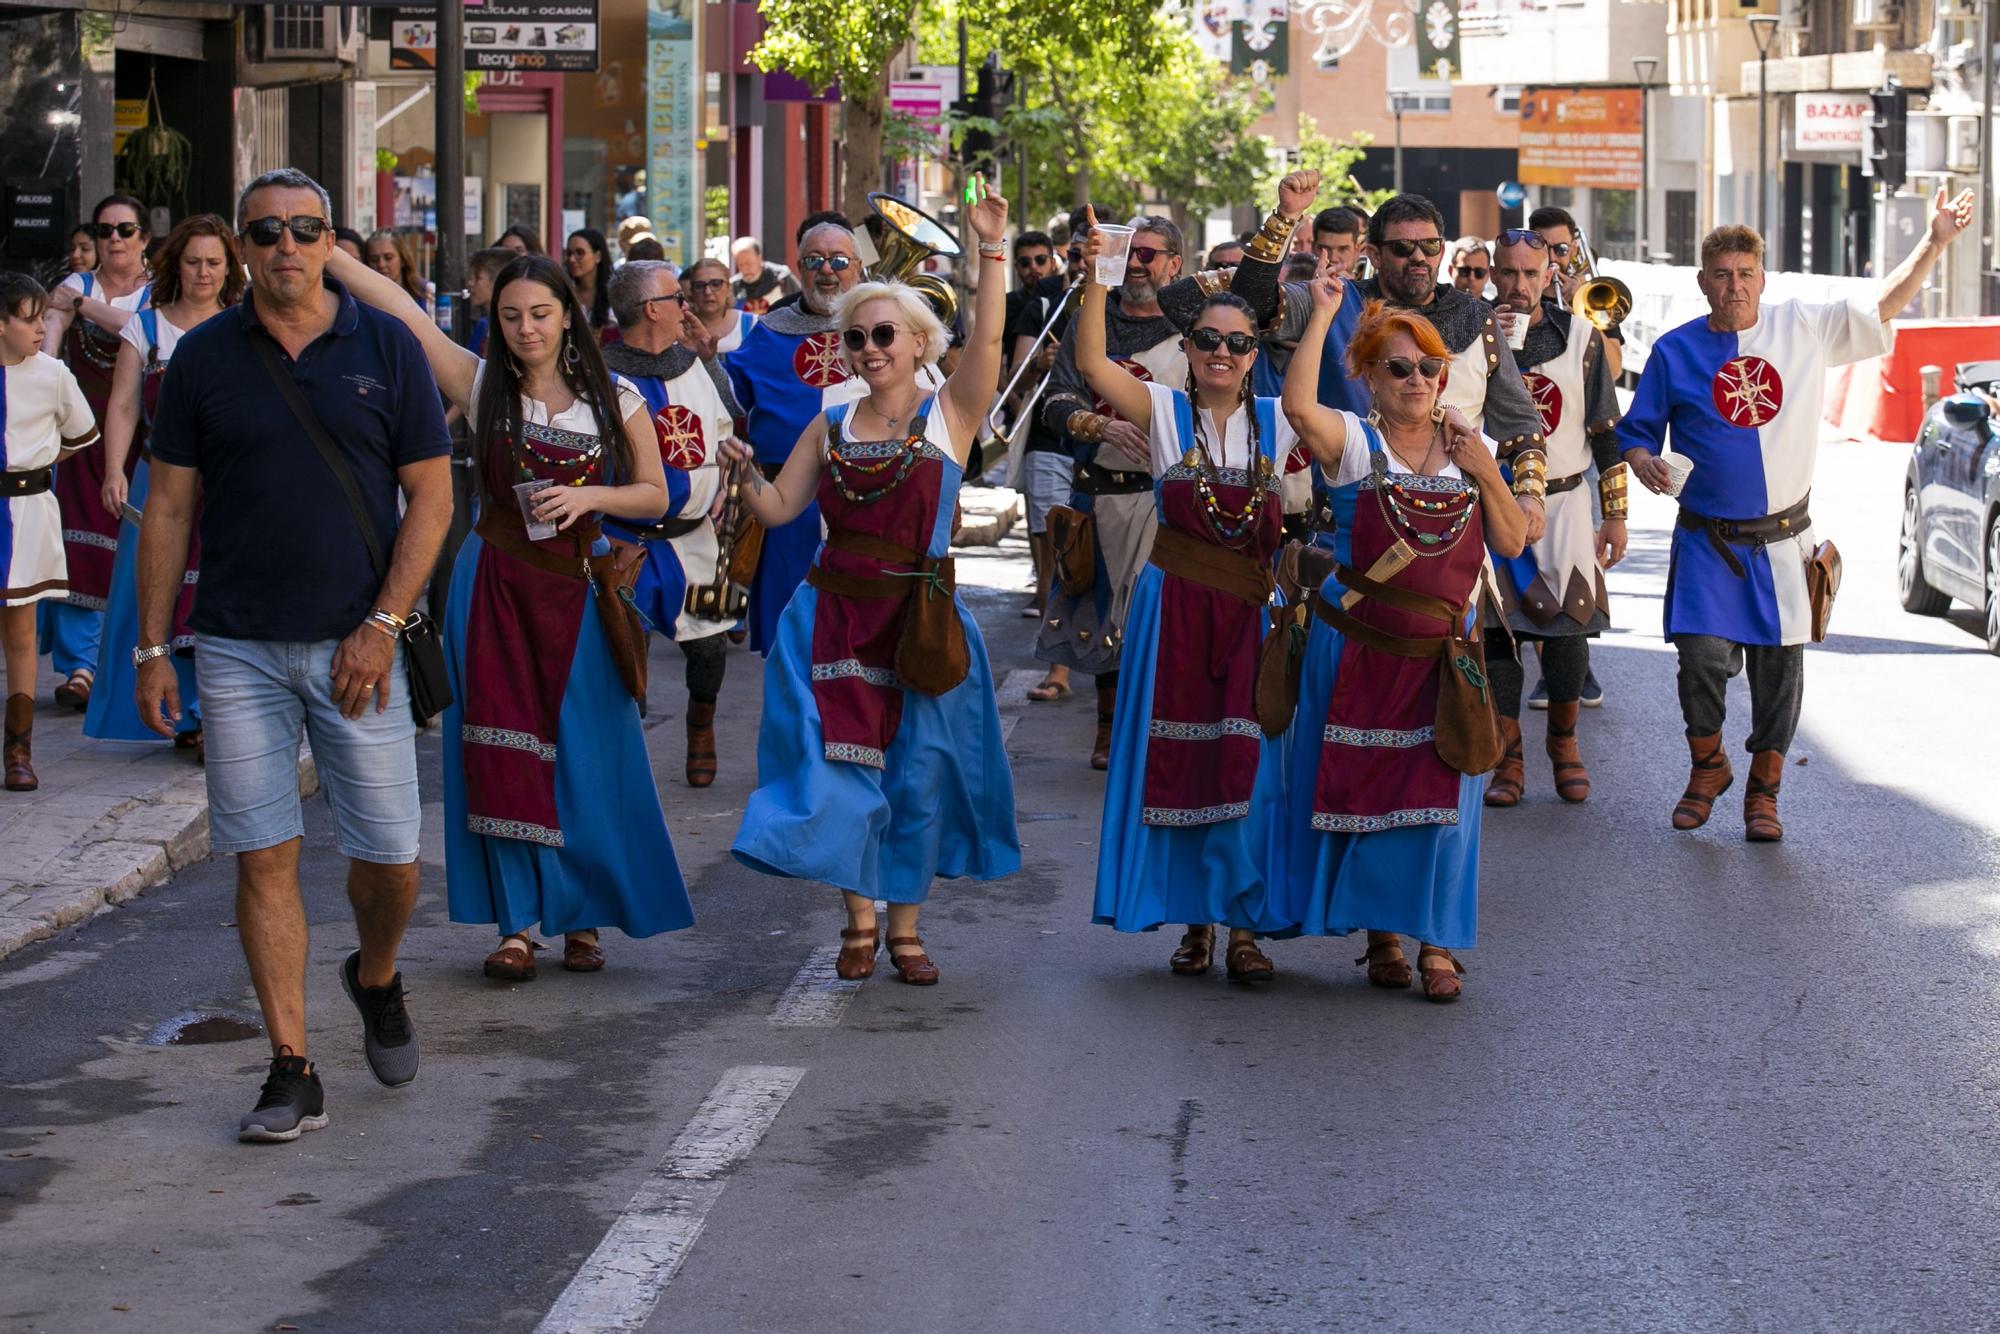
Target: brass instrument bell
(1604, 302)
(909, 237)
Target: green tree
(1335, 160)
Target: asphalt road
(1694, 1084)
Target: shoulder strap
(149, 320)
(1267, 426)
(89, 282)
(1184, 422)
(267, 354)
(835, 415)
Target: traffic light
(1888, 135)
(992, 94)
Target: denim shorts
(255, 697)
(1047, 477)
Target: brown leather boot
(701, 744)
(1512, 775)
(20, 741)
(1572, 779)
(1100, 752)
(1708, 779)
(1760, 798)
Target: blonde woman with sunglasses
(880, 763)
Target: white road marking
(622, 1281)
(1014, 687)
(816, 998)
(1007, 726)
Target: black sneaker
(386, 1036)
(290, 1103)
(1538, 698)
(1593, 693)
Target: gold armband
(1612, 490)
(1085, 426)
(1272, 239)
(1211, 281)
(1531, 474)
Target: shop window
(1616, 235)
(1680, 228)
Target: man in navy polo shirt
(292, 627)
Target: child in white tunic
(45, 419)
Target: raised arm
(455, 367)
(1949, 218)
(1122, 391)
(1323, 429)
(970, 389)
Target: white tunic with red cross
(1744, 408)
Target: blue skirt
(114, 713)
(1148, 875)
(942, 806)
(616, 867)
(781, 569)
(1420, 881)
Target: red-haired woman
(199, 274)
(1381, 834)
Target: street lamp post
(1643, 66)
(1396, 106)
(1763, 30)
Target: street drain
(198, 1026)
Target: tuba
(1602, 301)
(909, 237)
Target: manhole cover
(198, 1026)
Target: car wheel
(1993, 585)
(1917, 596)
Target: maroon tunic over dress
(1203, 741)
(1378, 765)
(90, 531)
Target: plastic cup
(524, 494)
(1515, 325)
(1680, 465)
(1117, 247)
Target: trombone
(998, 432)
(1602, 301)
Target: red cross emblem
(1133, 368)
(1748, 392)
(681, 445)
(818, 361)
(1548, 400)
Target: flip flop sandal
(1049, 691)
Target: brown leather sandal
(1441, 982)
(1196, 952)
(915, 968)
(582, 956)
(1510, 779)
(1709, 776)
(1247, 963)
(857, 960)
(1387, 967)
(514, 961)
(75, 692)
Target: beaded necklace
(840, 468)
(1399, 504)
(98, 348)
(1229, 529)
(584, 462)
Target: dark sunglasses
(881, 335)
(1561, 248)
(1146, 254)
(1207, 340)
(1402, 368)
(305, 229)
(838, 263)
(707, 284)
(1522, 236)
(678, 298)
(1432, 246)
(1467, 271)
(104, 231)
(1033, 259)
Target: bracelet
(388, 624)
(1272, 238)
(1085, 426)
(1613, 490)
(993, 249)
(1531, 474)
(390, 619)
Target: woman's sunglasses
(707, 284)
(881, 335)
(305, 229)
(1432, 246)
(1402, 368)
(838, 263)
(1207, 340)
(104, 231)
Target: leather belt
(1362, 633)
(665, 529)
(1748, 532)
(1094, 481)
(1558, 485)
(1242, 577)
(30, 483)
(509, 535)
(888, 585)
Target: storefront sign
(672, 108)
(923, 103)
(549, 35)
(1581, 138)
(35, 218)
(1830, 122)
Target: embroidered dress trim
(1370, 824)
(1180, 472)
(518, 829)
(556, 435)
(1169, 731)
(884, 449)
(507, 740)
(190, 577)
(1167, 815)
(1393, 738)
(86, 538)
(87, 602)
(850, 667)
(848, 753)
(1410, 481)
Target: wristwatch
(142, 656)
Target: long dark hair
(1244, 394)
(600, 299)
(167, 286)
(498, 411)
(529, 238)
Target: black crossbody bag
(423, 648)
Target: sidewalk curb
(987, 514)
(133, 847)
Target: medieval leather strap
(511, 538)
(1557, 485)
(1095, 481)
(1753, 532)
(1419, 604)
(31, 483)
(885, 586)
(1184, 556)
(667, 529)
(1362, 633)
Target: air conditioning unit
(315, 32)
(1876, 14)
(1961, 144)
